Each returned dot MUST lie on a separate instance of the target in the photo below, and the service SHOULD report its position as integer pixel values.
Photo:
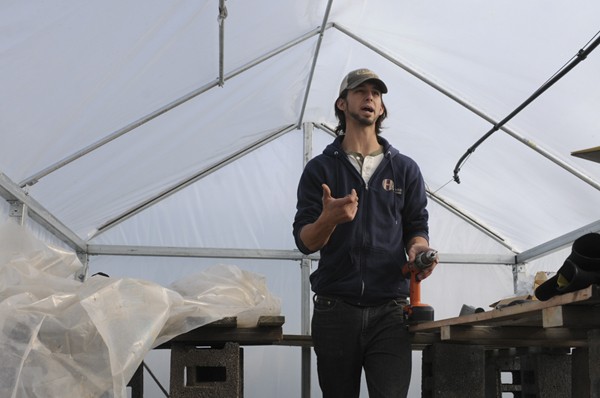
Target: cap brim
(382, 87)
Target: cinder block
(207, 372)
(594, 360)
(453, 371)
(585, 369)
(502, 373)
(528, 372)
(546, 375)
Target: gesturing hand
(341, 210)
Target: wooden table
(562, 321)
(564, 329)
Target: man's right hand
(335, 211)
(338, 211)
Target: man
(363, 205)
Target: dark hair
(341, 116)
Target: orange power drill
(416, 311)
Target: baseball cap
(358, 77)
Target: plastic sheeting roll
(62, 337)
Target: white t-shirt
(367, 165)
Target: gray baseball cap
(358, 77)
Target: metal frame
(17, 196)
(145, 119)
(268, 254)
(221, 19)
(557, 243)
(199, 252)
(12, 192)
(470, 220)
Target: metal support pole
(305, 284)
(222, 16)
(305, 326)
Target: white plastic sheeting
(73, 74)
(61, 337)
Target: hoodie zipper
(362, 204)
(364, 220)
(365, 202)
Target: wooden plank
(514, 336)
(242, 336)
(552, 317)
(263, 321)
(528, 313)
(227, 322)
(572, 317)
(296, 340)
(419, 340)
(271, 321)
(268, 331)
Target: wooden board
(267, 331)
(561, 321)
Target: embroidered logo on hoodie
(388, 185)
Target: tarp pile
(63, 338)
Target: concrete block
(453, 371)
(546, 375)
(502, 372)
(528, 372)
(585, 369)
(198, 372)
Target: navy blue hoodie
(362, 260)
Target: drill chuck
(425, 259)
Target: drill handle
(415, 289)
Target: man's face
(362, 104)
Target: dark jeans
(348, 338)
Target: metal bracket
(18, 210)
(518, 272)
(81, 275)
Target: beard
(362, 120)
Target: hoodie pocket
(383, 273)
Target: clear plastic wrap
(64, 338)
